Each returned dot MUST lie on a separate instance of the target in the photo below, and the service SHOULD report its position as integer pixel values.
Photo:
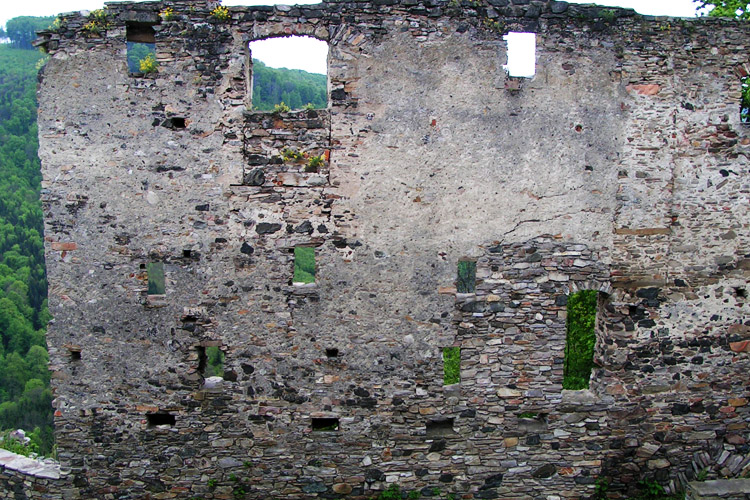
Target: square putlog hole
(325, 424)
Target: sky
(307, 56)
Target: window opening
(75, 355)
(304, 265)
(521, 54)
(141, 45)
(156, 282)
(332, 352)
(451, 365)
(210, 361)
(289, 70)
(580, 339)
(467, 275)
(325, 424)
(156, 419)
(440, 427)
(745, 100)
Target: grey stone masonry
(736, 489)
(621, 166)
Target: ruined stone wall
(621, 167)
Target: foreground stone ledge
(735, 489)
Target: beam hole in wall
(305, 86)
(304, 265)
(521, 54)
(440, 427)
(75, 355)
(175, 123)
(332, 352)
(141, 47)
(467, 276)
(156, 280)
(160, 418)
(580, 339)
(451, 365)
(325, 424)
(740, 292)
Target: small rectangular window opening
(141, 45)
(332, 352)
(156, 282)
(325, 424)
(467, 275)
(521, 54)
(160, 418)
(440, 427)
(304, 265)
(451, 365)
(210, 361)
(75, 355)
(580, 339)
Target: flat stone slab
(720, 488)
(24, 465)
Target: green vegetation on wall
(304, 265)
(214, 362)
(156, 284)
(137, 53)
(294, 87)
(25, 397)
(451, 365)
(467, 275)
(580, 339)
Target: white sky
(301, 56)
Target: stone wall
(28, 478)
(622, 167)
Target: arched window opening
(289, 73)
(580, 339)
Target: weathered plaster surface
(621, 167)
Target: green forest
(25, 397)
(293, 87)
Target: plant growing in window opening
(451, 365)
(148, 64)
(221, 13)
(281, 108)
(580, 339)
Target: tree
(22, 30)
(726, 8)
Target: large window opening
(580, 339)
(289, 73)
(141, 40)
